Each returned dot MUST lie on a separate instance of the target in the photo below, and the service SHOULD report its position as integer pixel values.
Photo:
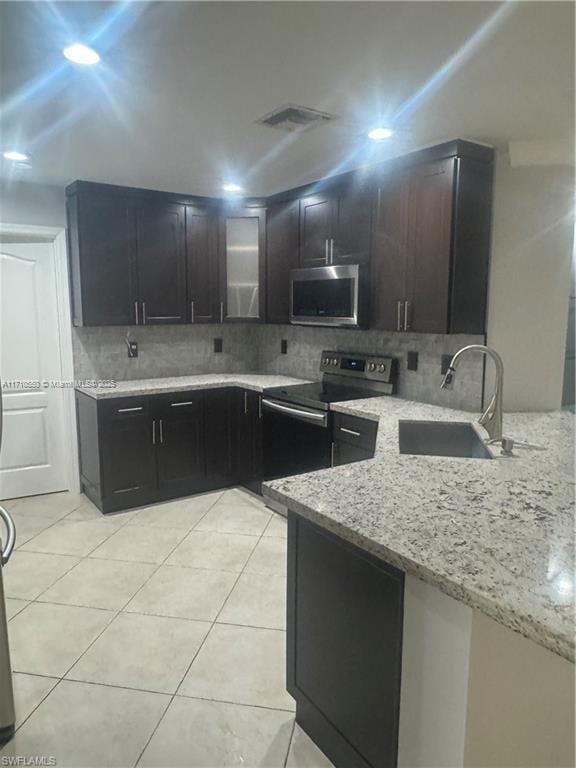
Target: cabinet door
(281, 257)
(350, 242)
(249, 440)
(162, 262)
(430, 247)
(202, 263)
(128, 453)
(316, 228)
(242, 264)
(180, 443)
(344, 646)
(102, 240)
(390, 253)
(220, 437)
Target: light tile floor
(153, 637)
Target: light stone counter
(497, 534)
(253, 381)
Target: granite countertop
(254, 381)
(497, 534)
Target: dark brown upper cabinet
(102, 248)
(161, 252)
(281, 257)
(202, 263)
(335, 227)
(316, 221)
(242, 263)
(431, 247)
(127, 257)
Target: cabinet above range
(139, 257)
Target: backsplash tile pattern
(180, 350)
(305, 345)
(163, 350)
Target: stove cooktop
(319, 394)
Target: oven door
(296, 439)
(324, 296)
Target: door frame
(57, 237)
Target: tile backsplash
(180, 350)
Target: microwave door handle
(321, 419)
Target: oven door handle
(320, 419)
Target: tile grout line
(212, 624)
(63, 677)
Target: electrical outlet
(445, 363)
(284, 346)
(412, 361)
(132, 348)
(218, 345)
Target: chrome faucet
(491, 419)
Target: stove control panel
(367, 367)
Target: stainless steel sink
(442, 438)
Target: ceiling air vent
(291, 118)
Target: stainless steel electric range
(297, 424)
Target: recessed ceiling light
(15, 156)
(378, 134)
(230, 186)
(81, 54)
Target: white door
(33, 455)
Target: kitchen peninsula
(456, 575)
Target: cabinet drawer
(183, 403)
(124, 407)
(355, 431)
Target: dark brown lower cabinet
(344, 646)
(140, 450)
(250, 458)
(220, 437)
(128, 453)
(180, 442)
(354, 439)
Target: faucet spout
(491, 418)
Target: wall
(34, 204)
(169, 350)
(180, 350)
(306, 344)
(530, 281)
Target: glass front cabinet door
(242, 264)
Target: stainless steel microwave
(324, 295)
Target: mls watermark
(28, 760)
(31, 385)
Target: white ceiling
(173, 103)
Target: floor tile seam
(173, 695)
(67, 553)
(35, 599)
(43, 699)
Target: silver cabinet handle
(161, 432)
(177, 405)
(326, 251)
(154, 432)
(245, 401)
(136, 312)
(260, 407)
(398, 317)
(10, 536)
(221, 311)
(406, 307)
(350, 432)
(191, 311)
(331, 250)
(332, 454)
(143, 313)
(130, 410)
